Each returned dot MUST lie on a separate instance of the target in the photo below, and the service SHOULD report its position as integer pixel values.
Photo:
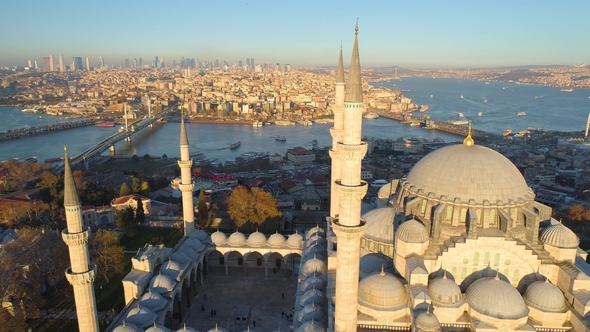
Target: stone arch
(274, 259)
(254, 259)
(292, 262)
(215, 258)
(185, 298)
(168, 321)
(176, 307)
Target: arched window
(449, 213)
(476, 259)
(492, 220)
(463, 215)
(497, 259)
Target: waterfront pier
(44, 129)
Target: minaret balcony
(185, 163)
(76, 279)
(75, 239)
(352, 192)
(352, 152)
(188, 187)
(348, 232)
(336, 133)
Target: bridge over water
(97, 149)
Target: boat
(73, 117)
(507, 132)
(105, 124)
(314, 142)
(40, 116)
(235, 145)
(521, 113)
(479, 113)
(485, 100)
(370, 115)
(305, 123)
(460, 122)
(257, 124)
(325, 121)
(461, 114)
(461, 96)
(423, 108)
(31, 160)
(415, 124)
(487, 82)
(284, 123)
(30, 110)
(431, 96)
(280, 138)
(267, 123)
(567, 90)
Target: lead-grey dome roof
(545, 296)
(559, 236)
(125, 327)
(496, 298)
(381, 290)
(379, 224)
(427, 322)
(444, 290)
(470, 173)
(412, 231)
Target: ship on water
(235, 145)
(280, 138)
(567, 90)
(106, 124)
(507, 132)
(370, 115)
(521, 113)
(284, 123)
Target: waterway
(550, 110)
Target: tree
(126, 220)
(135, 159)
(575, 213)
(145, 189)
(139, 211)
(164, 156)
(203, 211)
(124, 191)
(107, 254)
(135, 185)
(254, 205)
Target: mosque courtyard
(224, 294)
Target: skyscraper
(240, 63)
(61, 63)
(77, 63)
(156, 62)
(135, 62)
(252, 63)
(100, 62)
(278, 67)
(126, 63)
(87, 64)
(51, 63)
(46, 63)
(29, 64)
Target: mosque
(459, 244)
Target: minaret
(349, 227)
(186, 185)
(336, 133)
(82, 271)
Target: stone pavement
(224, 293)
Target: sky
(303, 33)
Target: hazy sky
(414, 34)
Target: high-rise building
(156, 63)
(35, 65)
(135, 62)
(51, 63)
(287, 67)
(278, 67)
(126, 63)
(29, 64)
(61, 63)
(87, 64)
(216, 63)
(77, 63)
(46, 63)
(251, 63)
(240, 63)
(140, 62)
(100, 62)
(183, 63)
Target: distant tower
(587, 125)
(186, 185)
(29, 64)
(126, 63)
(82, 272)
(336, 133)
(140, 62)
(87, 64)
(36, 66)
(348, 226)
(51, 68)
(46, 64)
(100, 62)
(61, 63)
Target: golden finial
(356, 29)
(382, 271)
(468, 141)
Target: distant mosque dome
(312, 296)
(382, 290)
(317, 230)
(427, 322)
(559, 236)
(412, 231)
(125, 327)
(545, 296)
(236, 239)
(444, 291)
(170, 268)
(314, 250)
(379, 224)
(217, 329)
(141, 317)
(316, 239)
(311, 311)
(316, 280)
(157, 328)
(276, 240)
(256, 239)
(152, 301)
(218, 238)
(295, 241)
(496, 298)
(162, 284)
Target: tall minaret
(349, 227)
(186, 185)
(336, 133)
(81, 273)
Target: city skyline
(417, 35)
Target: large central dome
(470, 173)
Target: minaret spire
(82, 272)
(354, 88)
(186, 185)
(340, 70)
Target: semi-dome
(236, 239)
(311, 326)
(152, 301)
(312, 296)
(256, 239)
(276, 240)
(200, 235)
(379, 224)
(187, 329)
(126, 327)
(444, 290)
(496, 298)
(180, 257)
(141, 317)
(371, 263)
(412, 231)
(162, 284)
(317, 230)
(313, 265)
(427, 322)
(295, 240)
(487, 272)
(469, 173)
(545, 296)
(170, 268)
(316, 280)
(218, 238)
(382, 290)
(559, 236)
(311, 311)
(157, 328)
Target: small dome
(200, 235)
(379, 224)
(295, 241)
(316, 280)
(162, 284)
(180, 257)
(371, 263)
(152, 301)
(559, 236)
(217, 329)
(382, 290)
(444, 290)
(157, 328)
(141, 317)
(317, 230)
(188, 251)
(313, 265)
(311, 311)
(276, 240)
(194, 244)
(187, 329)
(427, 322)
(316, 249)
(312, 296)
(218, 238)
(412, 231)
(170, 268)
(236, 239)
(496, 298)
(545, 296)
(256, 239)
(315, 240)
(125, 327)
(311, 326)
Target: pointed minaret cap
(354, 88)
(340, 70)
(468, 141)
(70, 193)
(183, 137)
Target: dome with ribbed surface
(444, 290)
(180, 257)
(469, 173)
(187, 329)
(382, 290)
(496, 298)
(217, 329)
(236, 239)
(311, 311)
(125, 327)
(559, 236)
(170, 268)
(218, 238)
(317, 230)
(313, 265)
(316, 280)
(371, 263)
(316, 239)
(412, 231)
(162, 284)
(157, 328)
(141, 317)
(295, 241)
(200, 235)
(379, 224)
(194, 244)
(427, 322)
(545, 296)
(316, 250)
(312, 296)
(188, 251)
(311, 326)
(276, 240)
(152, 301)
(256, 239)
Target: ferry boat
(423, 108)
(485, 100)
(479, 113)
(507, 132)
(235, 145)
(30, 110)
(257, 124)
(280, 138)
(370, 115)
(106, 124)
(31, 160)
(461, 114)
(521, 113)
(415, 124)
(305, 123)
(267, 123)
(567, 90)
(459, 122)
(461, 96)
